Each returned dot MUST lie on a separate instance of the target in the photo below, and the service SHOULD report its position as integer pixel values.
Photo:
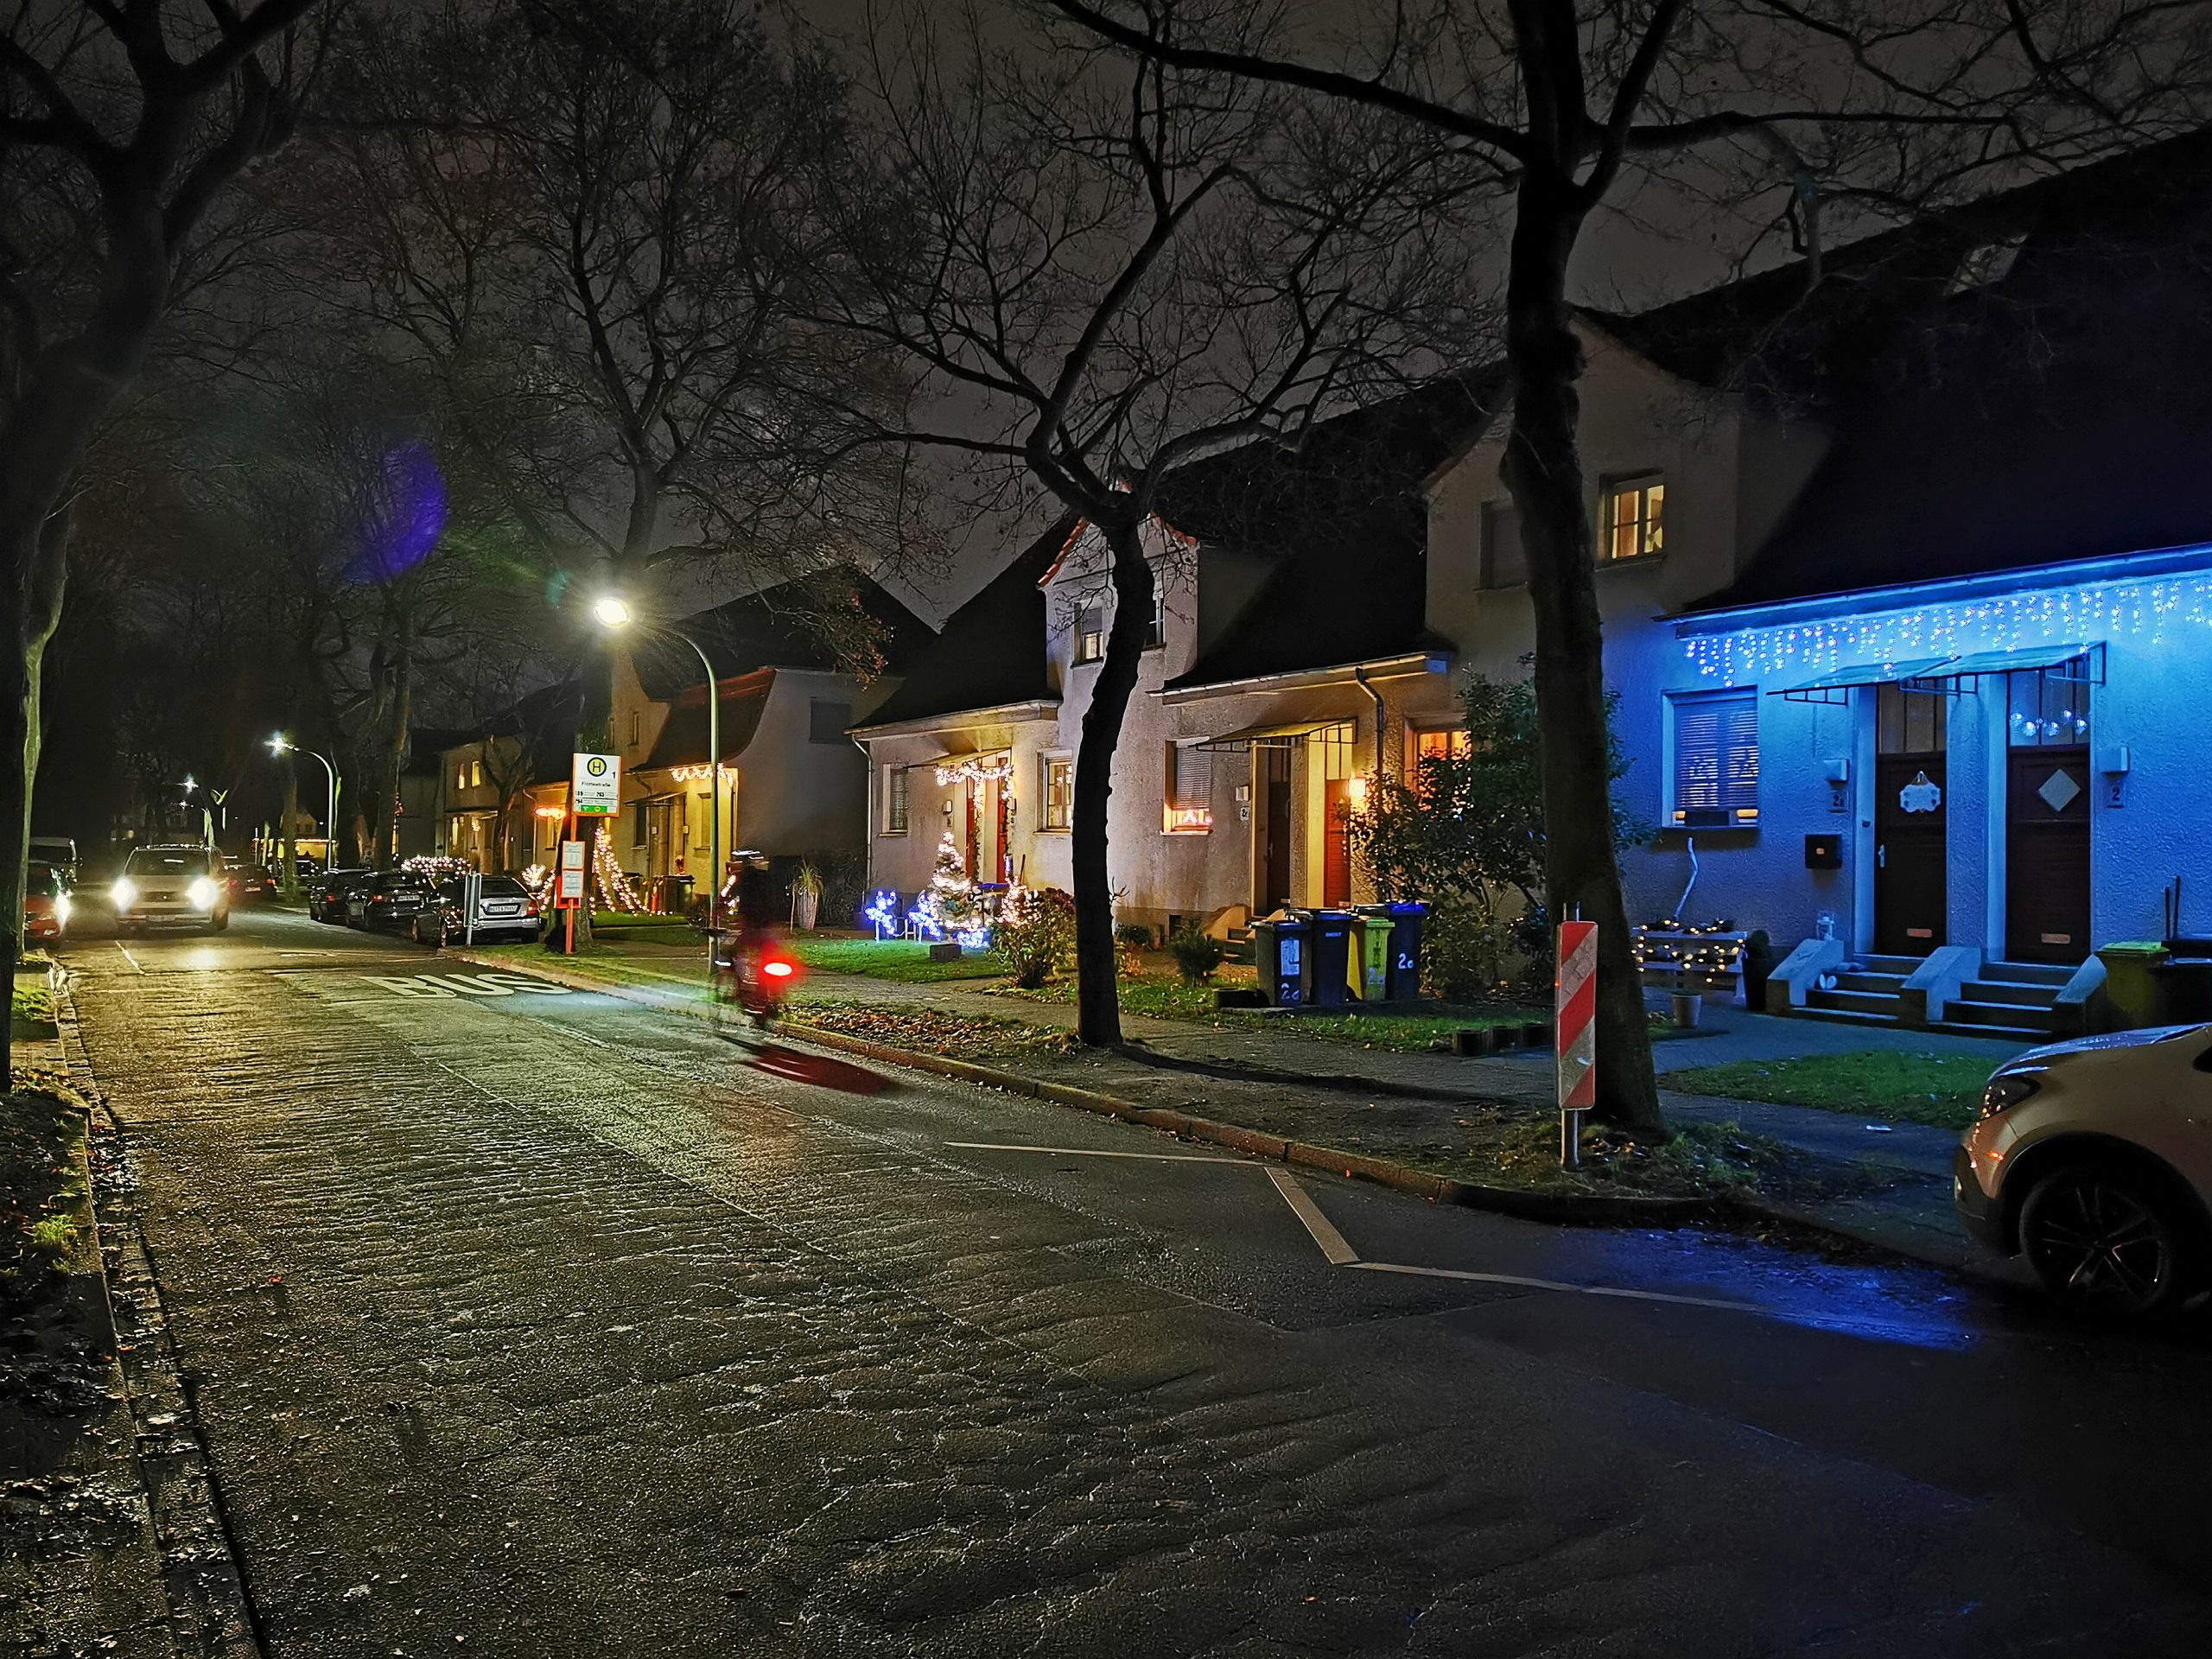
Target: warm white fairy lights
(2152, 610)
(994, 770)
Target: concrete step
(1900, 966)
(2028, 973)
(1996, 1033)
(2009, 1016)
(1860, 980)
(1873, 1003)
(1844, 1016)
(2001, 990)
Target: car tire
(221, 922)
(2103, 1236)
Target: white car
(2092, 1160)
(171, 886)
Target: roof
(2009, 385)
(991, 652)
(1344, 519)
(427, 746)
(837, 621)
(683, 739)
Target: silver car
(171, 886)
(2092, 1160)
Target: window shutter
(1716, 759)
(1191, 786)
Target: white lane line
(1526, 1283)
(128, 958)
(1091, 1152)
(1333, 1247)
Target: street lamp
(613, 612)
(280, 744)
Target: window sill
(1056, 830)
(892, 835)
(1645, 562)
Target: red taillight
(777, 967)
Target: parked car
(386, 903)
(46, 903)
(59, 853)
(171, 886)
(505, 913)
(2092, 1160)
(328, 893)
(250, 883)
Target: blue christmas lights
(2154, 611)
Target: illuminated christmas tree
(949, 907)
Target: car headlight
(61, 908)
(2008, 1089)
(203, 894)
(124, 892)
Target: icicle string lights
(2154, 611)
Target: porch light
(611, 611)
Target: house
(1905, 574)
(794, 665)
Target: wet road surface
(533, 1322)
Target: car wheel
(221, 922)
(2104, 1238)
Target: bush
(1134, 936)
(1196, 954)
(1035, 934)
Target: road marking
(128, 958)
(1526, 1283)
(458, 985)
(1338, 1253)
(1090, 1151)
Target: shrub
(1134, 936)
(1035, 933)
(1196, 954)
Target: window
(826, 721)
(2050, 707)
(638, 826)
(1189, 794)
(1333, 744)
(897, 799)
(1059, 792)
(461, 778)
(1156, 635)
(636, 728)
(1987, 265)
(1503, 563)
(476, 774)
(1090, 634)
(1911, 723)
(1717, 760)
(1631, 523)
(1445, 743)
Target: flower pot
(806, 905)
(1688, 1005)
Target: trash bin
(1404, 949)
(2133, 987)
(1279, 953)
(1328, 958)
(1371, 938)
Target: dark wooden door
(2047, 854)
(1276, 830)
(1912, 816)
(1336, 843)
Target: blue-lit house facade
(1907, 583)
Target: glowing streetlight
(280, 744)
(613, 612)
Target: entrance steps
(2006, 999)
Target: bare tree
(1560, 98)
(120, 124)
(1102, 270)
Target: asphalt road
(536, 1323)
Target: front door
(1912, 820)
(2047, 791)
(1272, 763)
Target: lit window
(1632, 523)
(1445, 743)
(460, 779)
(1060, 791)
(1190, 789)
(1090, 634)
(897, 786)
(476, 774)
(1716, 759)
(2049, 707)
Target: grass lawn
(1413, 1029)
(30, 1011)
(1940, 1090)
(906, 960)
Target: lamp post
(612, 612)
(280, 744)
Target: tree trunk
(288, 832)
(1098, 1008)
(1543, 469)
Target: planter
(1536, 1035)
(806, 906)
(945, 950)
(1481, 1039)
(1688, 1007)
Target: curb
(1565, 1209)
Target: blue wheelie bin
(1279, 952)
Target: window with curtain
(896, 800)
(1716, 759)
(1090, 634)
(1631, 520)
(1190, 788)
(1058, 793)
